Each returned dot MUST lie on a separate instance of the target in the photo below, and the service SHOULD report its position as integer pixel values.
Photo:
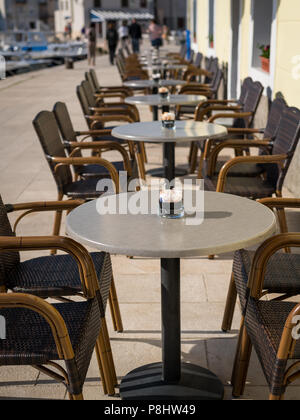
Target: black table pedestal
(169, 154)
(171, 380)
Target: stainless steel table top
(155, 133)
(230, 223)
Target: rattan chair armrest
(94, 133)
(84, 260)
(49, 313)
(44, 206)
(262, 257)
(107, 110)
(268, 159)
(246, 131)
(109, 95)
(114, 88)
(104, 146)
(74, 161)
(288, 343)
(221, 101)
(116, 104)
(234, 144)
(207, 107)
(231, 116)
(110, 118)
(39, 207)
(281, 203)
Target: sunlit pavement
(25, 177)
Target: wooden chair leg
(105, 365)
(191, 152)
(200, 167)
(116, 307)
(242, 364)
(276, 397)
(283, 225)
(78, 397)
(230, 306)
(57, 223)
(194, 156)
(109, 352)
(104, 386)
(141, 164)
(144, 153)
(112, 312)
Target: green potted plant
(265, 57)
(211, 41)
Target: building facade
(233, 31)
(170, 12)
(78, 12)
(27, 14)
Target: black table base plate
(159, 172)
(196, 383)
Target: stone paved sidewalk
(25, 176)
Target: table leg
(171, 379)
(168, 172)
(155, 113)
(171, 322)
(169, 161)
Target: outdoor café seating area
(158, 167)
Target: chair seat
(85, 189)
(265, 323)
(241, 170)
(187, 109)
(54, 276)
(29, 339)
(251, 187)
(282, 274)
(108, 137)
(92, 171)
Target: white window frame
(238, 55)
(267, 79)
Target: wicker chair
(275, 165)
(130, 71)
(91, 76)
(39, 334)
(58, 277)
(212, 165)
(75, 145)
(269, 325)
(242, 112)
(48, 133)
(99, 107)
(282, 273)
(96, 122)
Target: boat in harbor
(28, 51)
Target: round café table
(153, 132)
(151, 84)
(230, 223)
(162, 67)
(156, 101)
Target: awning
(102, 15)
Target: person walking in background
(135, 33)
(112, 39)
(124, 33)
(156, 32)
(91, 36)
